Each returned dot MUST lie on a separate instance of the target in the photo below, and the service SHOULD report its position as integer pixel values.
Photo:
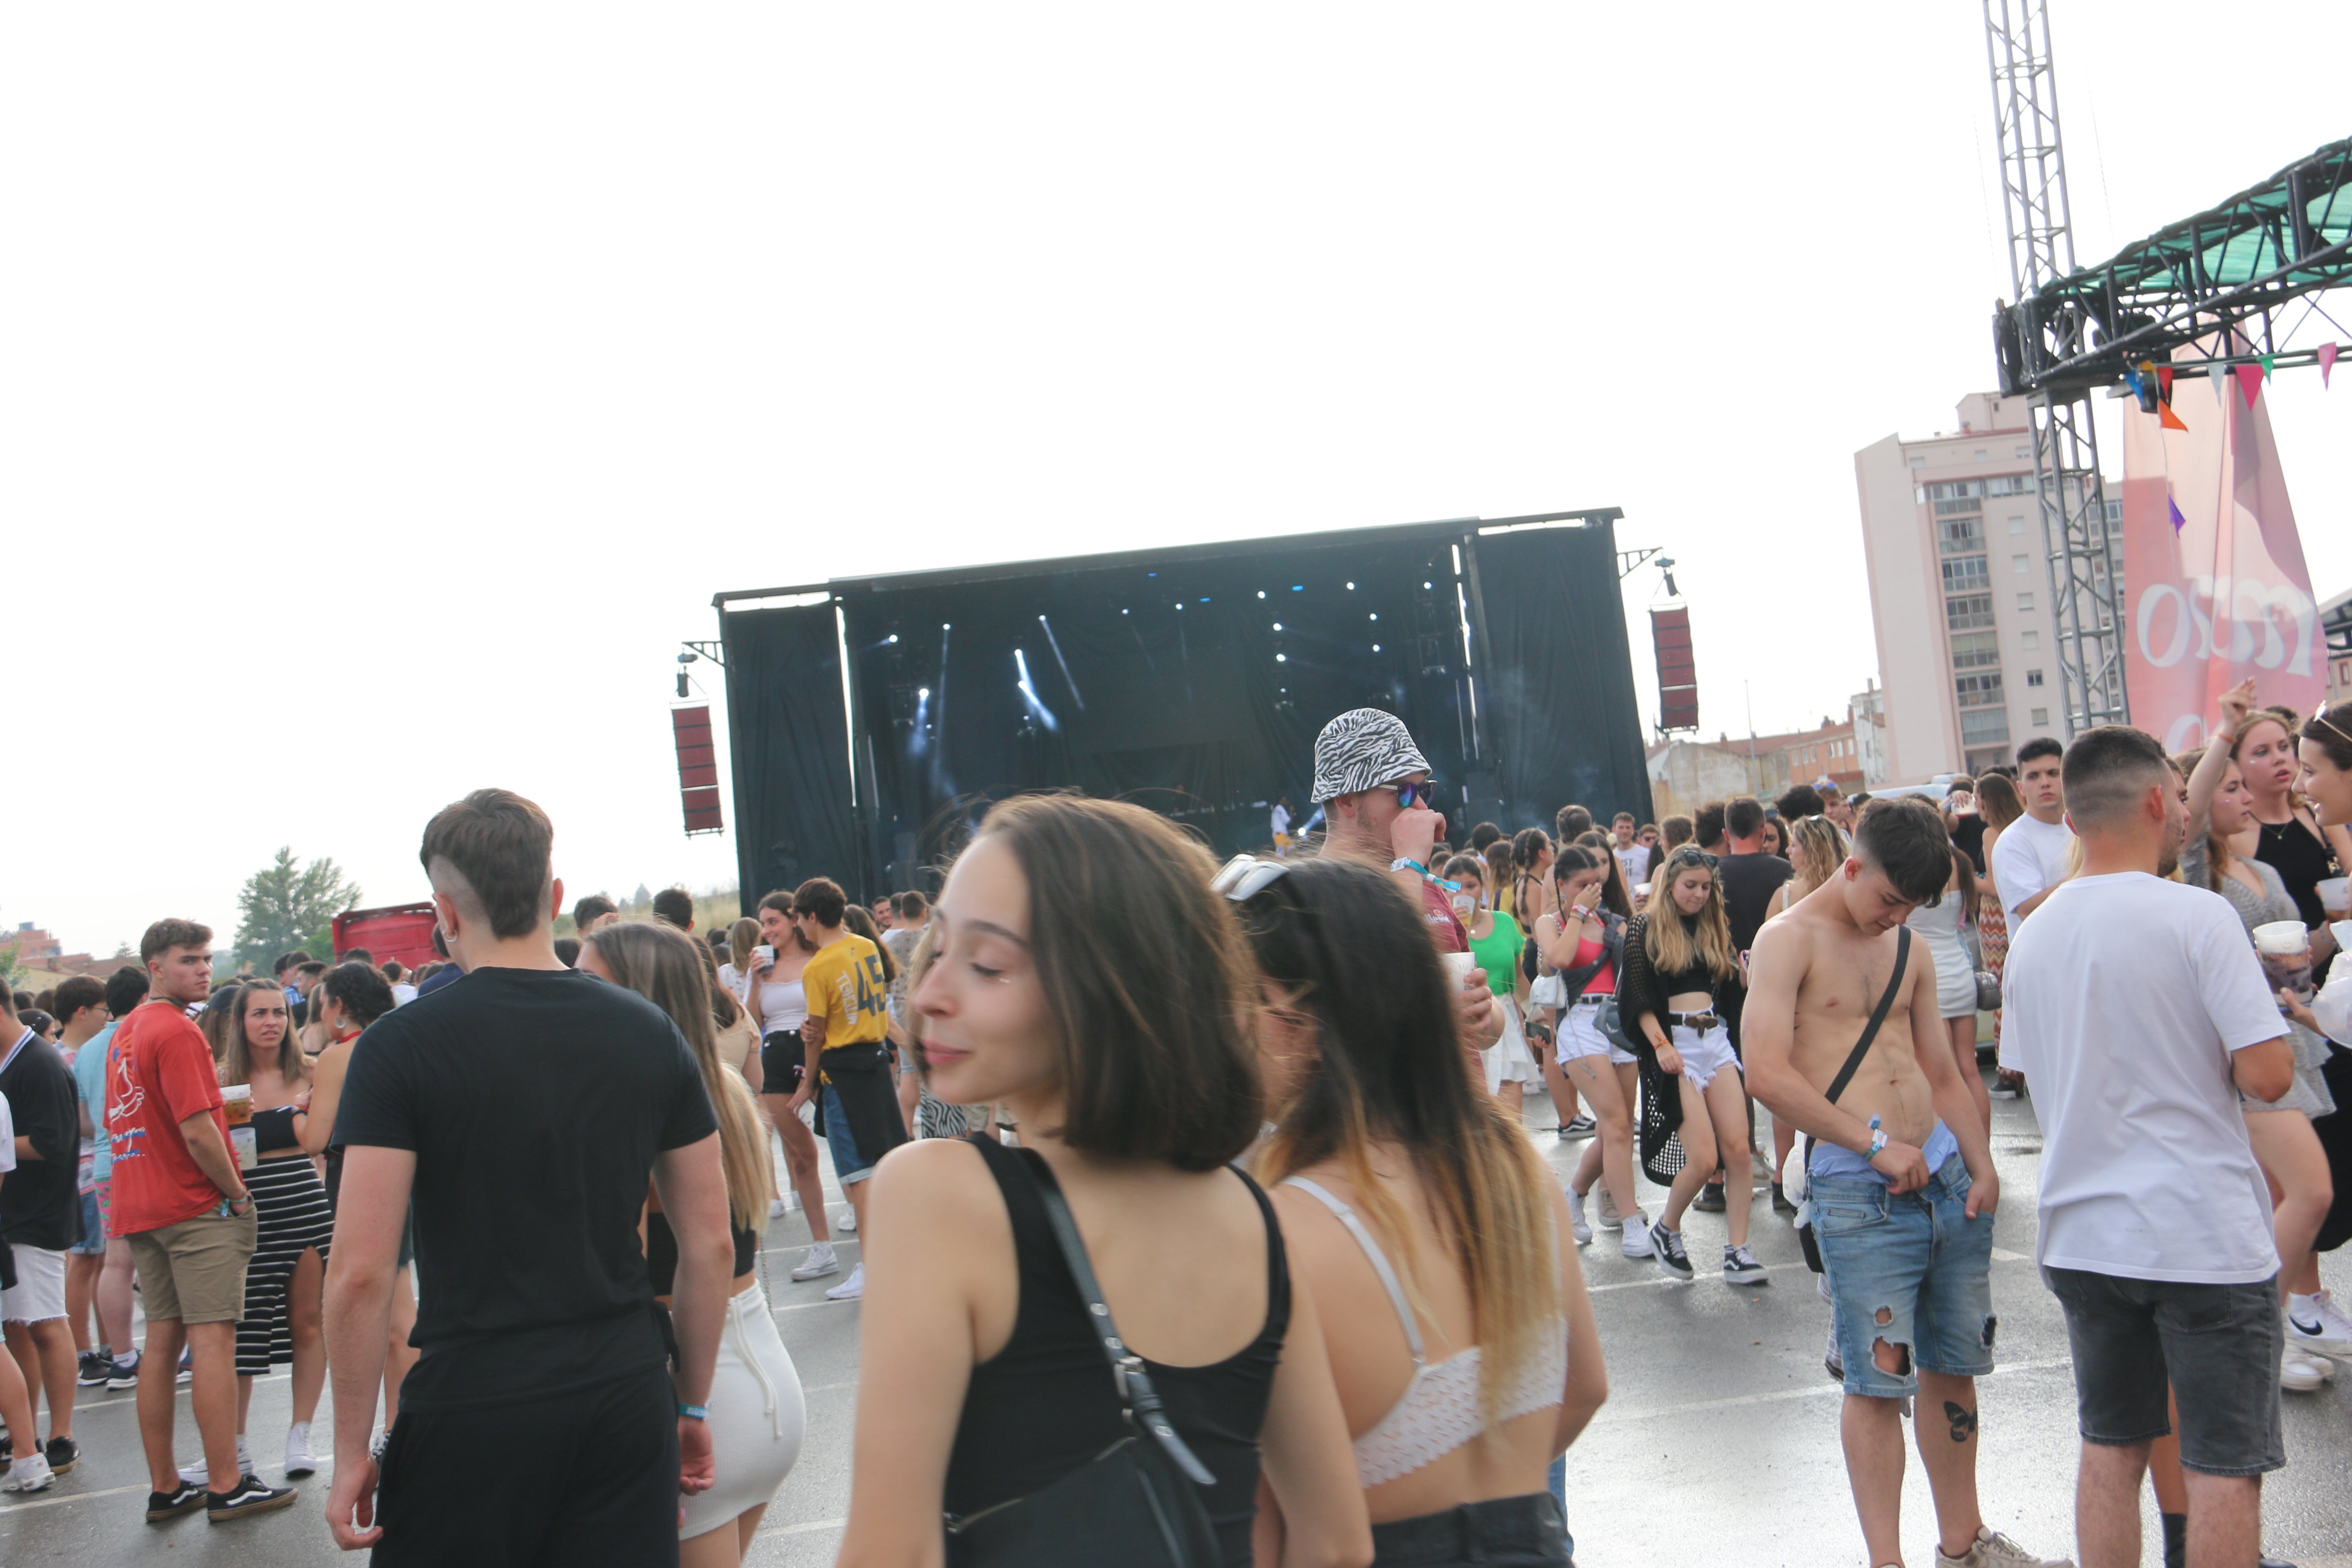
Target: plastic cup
(2335, 897)
(237, 1103)
(2285, 948)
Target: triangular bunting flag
(2250, 381)
(2220, 374)
(2173, 507)
(2327, 363)
(2166, 419)
(2270, 363)
(2164, 380)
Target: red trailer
(403, 932)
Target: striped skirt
(294, 1216)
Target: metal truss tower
(2084, 554)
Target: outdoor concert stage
(872, 720)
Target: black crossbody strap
(1135, 1390)
(1870, 1030)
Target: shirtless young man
(1901, 1182)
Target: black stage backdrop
(789, 748)
(1205, 712)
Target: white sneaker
(778, 1208)
(2317, 1324)
(1578, 1225)
(28, 1474)
(200, 1473)
(817, 1262)
(1991, 1549)
(298, 1462)
(851, 1288)
(1636, 1235)
(2301, 1372)
(848, 1222)
(1610, 1218)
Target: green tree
(286, 905)
(12, 967)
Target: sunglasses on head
(1245, 877)
(2329, 715)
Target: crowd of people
(1276, 1114)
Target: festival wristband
(1426, 875)
(695, 1412)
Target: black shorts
(587, 1477)
(2216, 1345)
(784, 1062)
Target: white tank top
(782, 1004)
(1439, 1410)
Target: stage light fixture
(892, 637)
(1375, 615)
(1261, 593)
(945, 627)
(1298, 587)
(1666, 567)
(1277, 625)
(923, 693)
(1281, 659)
(1376, 648)
(1351, 587)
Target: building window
(2033, 678)
(2025, 451)
(1955, 535)
(2042, 717)
(2019, 563)
(1979, 690)
(1983, 726)
(2030, 640)
(1967, 610)
(1971, 650)
(1980, 454)
(2026, 601)
(1966, 573)
(2017, 525)
(1918, 462)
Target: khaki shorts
(195, 1271)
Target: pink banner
(2217, 590)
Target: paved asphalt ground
(1718, 1445)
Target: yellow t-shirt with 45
(845, 987)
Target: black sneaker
(63, 1455)
(1711, 1198)
(95, 1365)
(1780, 1204)
(1667, 1244)
(123, 1374)
(1578, 1126)
(248, 1496)
(173, 1504)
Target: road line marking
(1609, 1418)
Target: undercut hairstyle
(1708, 826)
(75, 993)
(288, 961)
(1744, 817)
(312, 969)
(1569, 821)
(2040, 746)
(820, 899)
(671, 970)
(1998, 801)
(1904, 839)
(495, 850)
(861, 922)
(913, 906)
(1674, 832)
(1798, 800)
(125, 989)
(1387, 1072)
(675, 905)
(1575, 859)
(2109, 769)
(167, 934)
(1156, 1060)
(1485, 833)
(363, 994)
(594, 907)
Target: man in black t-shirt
(524, 1110)
(1749, 878)
(40, 1216)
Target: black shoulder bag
(1837, 1087)
(1137, 1504)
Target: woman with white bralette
(1450, 1296)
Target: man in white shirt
(2139, 1012)
(1633, 858)
(2031, 856)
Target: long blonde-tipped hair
(1390, 1071)
(1674, 946)
(658, 962)
(1817, 846)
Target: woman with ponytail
(1452, 1304)
(756, 1412)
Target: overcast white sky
(384, 393)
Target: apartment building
(1959, 590)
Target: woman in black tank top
(1134, 1083)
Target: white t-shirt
(2030, 858)
(403, 993)
(2123, 999)
(7, 1138)
(1634, 861)
(1281, 820)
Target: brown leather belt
(1699, 1021)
